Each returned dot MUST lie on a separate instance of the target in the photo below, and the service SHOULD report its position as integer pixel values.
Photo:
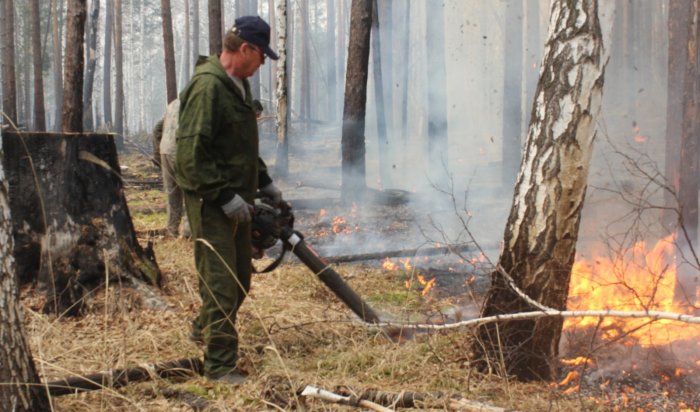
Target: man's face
(253, 58)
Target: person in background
(168, 151)
(219, 169)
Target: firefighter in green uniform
(219, 170)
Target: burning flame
(641, 278)
(389, 265)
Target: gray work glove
(238, 210)
(272, 195)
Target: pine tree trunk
(330, 52)
(353, 138)
(118, 75)
(215, 37)
(678, 18)
(690, 152)
(382, 141)
(91, 57)
(57, 66)
(340, 49)
(542, 229)
(170, 81)
(20, 389)
(73, 69)
(9, 86)
(37, 62)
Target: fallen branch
(329, 396)
(650, 314)
(122, 377)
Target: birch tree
(283, 109)
(542, 229)
(20, 389)
(91, 63)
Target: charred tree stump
(72, 227)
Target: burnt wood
(68, 206)
(122, 377)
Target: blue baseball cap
(256, 31)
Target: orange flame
(389, 265)
(641, 278)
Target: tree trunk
(532, 53)
(403, 73)
(437, 92)
(118, 76)
(282, 155)
(540, 237)
(353, 139)
(91, 55)
(71, 222)
(382, 141)
(330, 53)
(20, 390)
(678, 22)
(255, 78)
(170, 81)
(215, 37)
(187, 52)
(73, 70)
(304, 68)
(9, 85)
(57, 66)
(107, 65)
(26, 118)
(690, 150)
(512, 92)
(37, 61)
(340, 48)
(195, 30)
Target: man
(219, 170)
(168, 151)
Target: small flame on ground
(389, 265)
(322, 212)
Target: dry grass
(292, 330)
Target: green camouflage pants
(219, 286)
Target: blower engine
(270, 225)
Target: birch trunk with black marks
(91, 63)
(20, 389)
(542, 229)
(283, 109)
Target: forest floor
(294, 331)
